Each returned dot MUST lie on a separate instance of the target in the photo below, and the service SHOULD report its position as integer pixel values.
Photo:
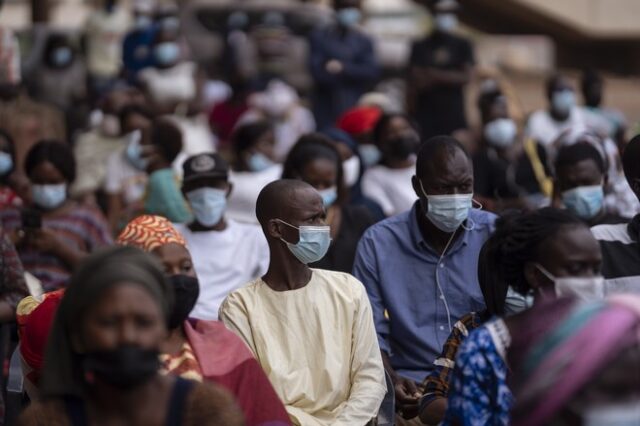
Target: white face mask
(351, 169)
(516, 302)
(582, 288)
(501, 132)
(620, 414)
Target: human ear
(531, 275)
(274, 229)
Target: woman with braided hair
(540, 255)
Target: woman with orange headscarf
(203, 350)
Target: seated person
(59, 232)
(241, 251)
(95, 372)
(389, 183)
(508, 172)
(580, 182)
(599, 386)
(8, 196)
(220, 357)
(334, 376)
(156, 151)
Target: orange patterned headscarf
(150, 232)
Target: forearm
(386, 362)
(7, 312)
(69, 255)
(434, 412)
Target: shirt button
(442, 327)
(442, 265)
(442, 296)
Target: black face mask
(126, 367)
(186, 291)
(400, 148)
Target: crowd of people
(188, 244)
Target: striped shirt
(620, 255)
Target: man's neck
(285, 272)
(561, 118)
(196, 226)
(434, 237)
(399, 164)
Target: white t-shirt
(241, 205)
(544, 129)
(175, 84)
(105, 33)
(391, 188)
(123, 178)
(224, 261)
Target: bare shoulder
(211, 405)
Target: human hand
(334, 66)
(43, 240)
(407, 397)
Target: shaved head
(275, 199)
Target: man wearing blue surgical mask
(419, 268)
(546, 125)
(439, 68)
(342, 63)
(310, 329)
(580, 183)
(226, 254)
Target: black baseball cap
(209, 165)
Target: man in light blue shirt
(420, 267)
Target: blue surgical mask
(613, 414)
(6, 163)
(208, 205)
(501, 132)
(349, 17)
(563, 101)
(62, 56)
(167, 53)
(313, 243)
(516, 302)
(49, 197)
(448, 212)
(134, 151)
(446, 22)
(329, 196)
(584, 201)
(370, 154)
(259, 162)
(143, 22)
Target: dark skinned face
(344, 4)
(176, 260)
(263, 145)
(136, 122)
(46, 173)
(582, 173)
(572, 252)
(222, 184)
(125, 314)
(303, 208)
(497, 110)
(320, 173)
(448, 174)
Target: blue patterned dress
(479, 394)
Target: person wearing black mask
(197, 349)
(389, 183)
(108, 332)
(439, 68)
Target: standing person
(106, 27)
(580, 182)
(198, 349)
(136, 47)
(620, 243)
(317, 162)
(241, 251)
(108, 332)
(419, 267)
(58, 232)
(343, 64)
(335, 374)
(254, 167)
(439, 68)
(540, 255)
(508, 172)
(388, 183)
(546, 125)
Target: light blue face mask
(49, 197)
(62, 56)
(134, 152)
(501, 132)
(259, 162)
(516, 302)
(448, 212)
(329, 196)
(167, 53)
(313, 243)
(208, 205)
(584, 201)
(563, 100)
(6, 163)
(370, 154)
(613, 414)
(349, 17)
(446, 22)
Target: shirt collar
(420, 242)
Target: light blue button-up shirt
(401, 273)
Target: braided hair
(516, 241)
